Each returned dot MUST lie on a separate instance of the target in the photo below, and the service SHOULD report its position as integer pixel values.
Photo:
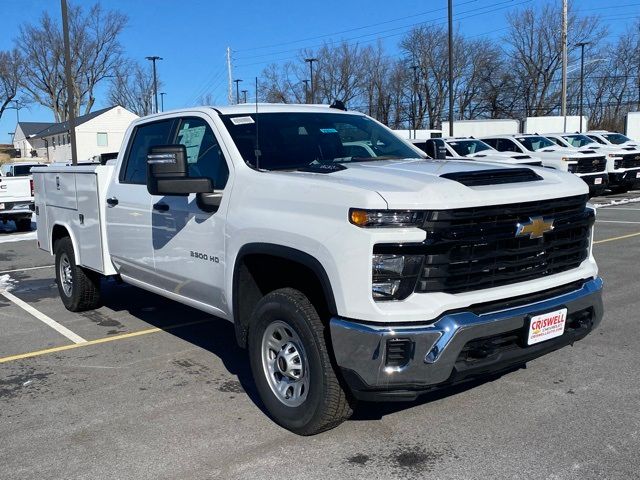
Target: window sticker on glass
(191, 138)
(328, 130)
(242, 120)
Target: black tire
(326, 404)
(23, 224)
(83, 293)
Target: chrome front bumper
(360, 349)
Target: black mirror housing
(168, 172)
(436, 149)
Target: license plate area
(598, 181)
(546, 326)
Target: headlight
(614, 155)
(572, 168)
(566, 159)
(385, 218)
(394, 276)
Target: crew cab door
(188, 237)
(128, 212)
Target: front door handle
(112, 202)
(161, 207)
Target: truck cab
(349, 273)
(591, 167)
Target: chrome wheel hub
(66, 275)
(285, 364)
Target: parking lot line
(26, 269)
(61, 329)
(87, 343)
(621, 237)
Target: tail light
(33, 190)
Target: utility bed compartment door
(87, 221)
(61, 190)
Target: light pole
(306, 90)
(450, 10)
(162, 94)
(71, 112)
(581, 45)
(153, 59)
(237, 82)
(244, 94)
(414, 99)
(310, 62)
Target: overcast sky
(192, 36)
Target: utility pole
(310, 62)
(162, 94)
(414, 99)
(155, 80)
(306, 90)
(564, 63)
(450, 68)
(581, 45)
(17, 107)
(244, 94)
(237, 82)
(230, 82)
(71, 113)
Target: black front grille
(476, 248)
(592, 165)
(631, 160)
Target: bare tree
(132, 87)
(11, 73)
(96, 53)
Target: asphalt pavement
(157, 390)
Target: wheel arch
(288, 258)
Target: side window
(506, 145)
(596, 139)
(492, 142)
(144, 137)
(204, 154)
(556, 141)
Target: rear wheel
(291, 365)
(23, 224)
(79, 288)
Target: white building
(97, 132)
(24, 138)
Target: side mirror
(436, 149)
(168, 172)
(9, 174)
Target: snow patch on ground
(6, 283)
(612, 203)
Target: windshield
(535, 143)
(578, 140)
(468, 147)
(288, 141)
(616, 138)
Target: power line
(349, 41)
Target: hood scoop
(493, 177)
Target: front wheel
(291, 365)
(79, 288)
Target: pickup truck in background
(16, 201)
(380, 275)
(588, 165)
(623, 162)
(472, 148)
(19, 169)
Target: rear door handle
(161, 207)
(112, 202)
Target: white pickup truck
(375, 277)
(590, 166)
(16, 201)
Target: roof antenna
(257, 150)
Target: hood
(503, 157)
(418, 183)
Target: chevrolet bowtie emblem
(536, 227)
